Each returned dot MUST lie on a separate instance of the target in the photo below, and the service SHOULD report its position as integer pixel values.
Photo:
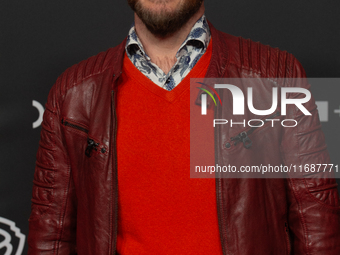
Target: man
(111, 173)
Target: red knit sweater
(161, 209)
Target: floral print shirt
(187, 55)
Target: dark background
(40, 39)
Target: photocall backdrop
(40, 39)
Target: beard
(163, 23)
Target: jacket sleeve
(52, 223)
(313, 212)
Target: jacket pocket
(93, 144)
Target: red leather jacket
(74, 204)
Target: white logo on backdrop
(40, 109)
(7, 242)
(323, 110)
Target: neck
(162, 50)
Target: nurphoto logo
(239, 103)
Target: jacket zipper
(91, 144)
(244, 136)
(71, 125)
(222, 225)
(221, 221)
(115, 178)
(287, 237)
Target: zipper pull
(236, 139)
(242, 137)
(91, 145)
(247, 143)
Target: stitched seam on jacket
(323, 204)
(297, 198)
(73, 71)
(62, 215)
(298, 146)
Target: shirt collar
(198, 37)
